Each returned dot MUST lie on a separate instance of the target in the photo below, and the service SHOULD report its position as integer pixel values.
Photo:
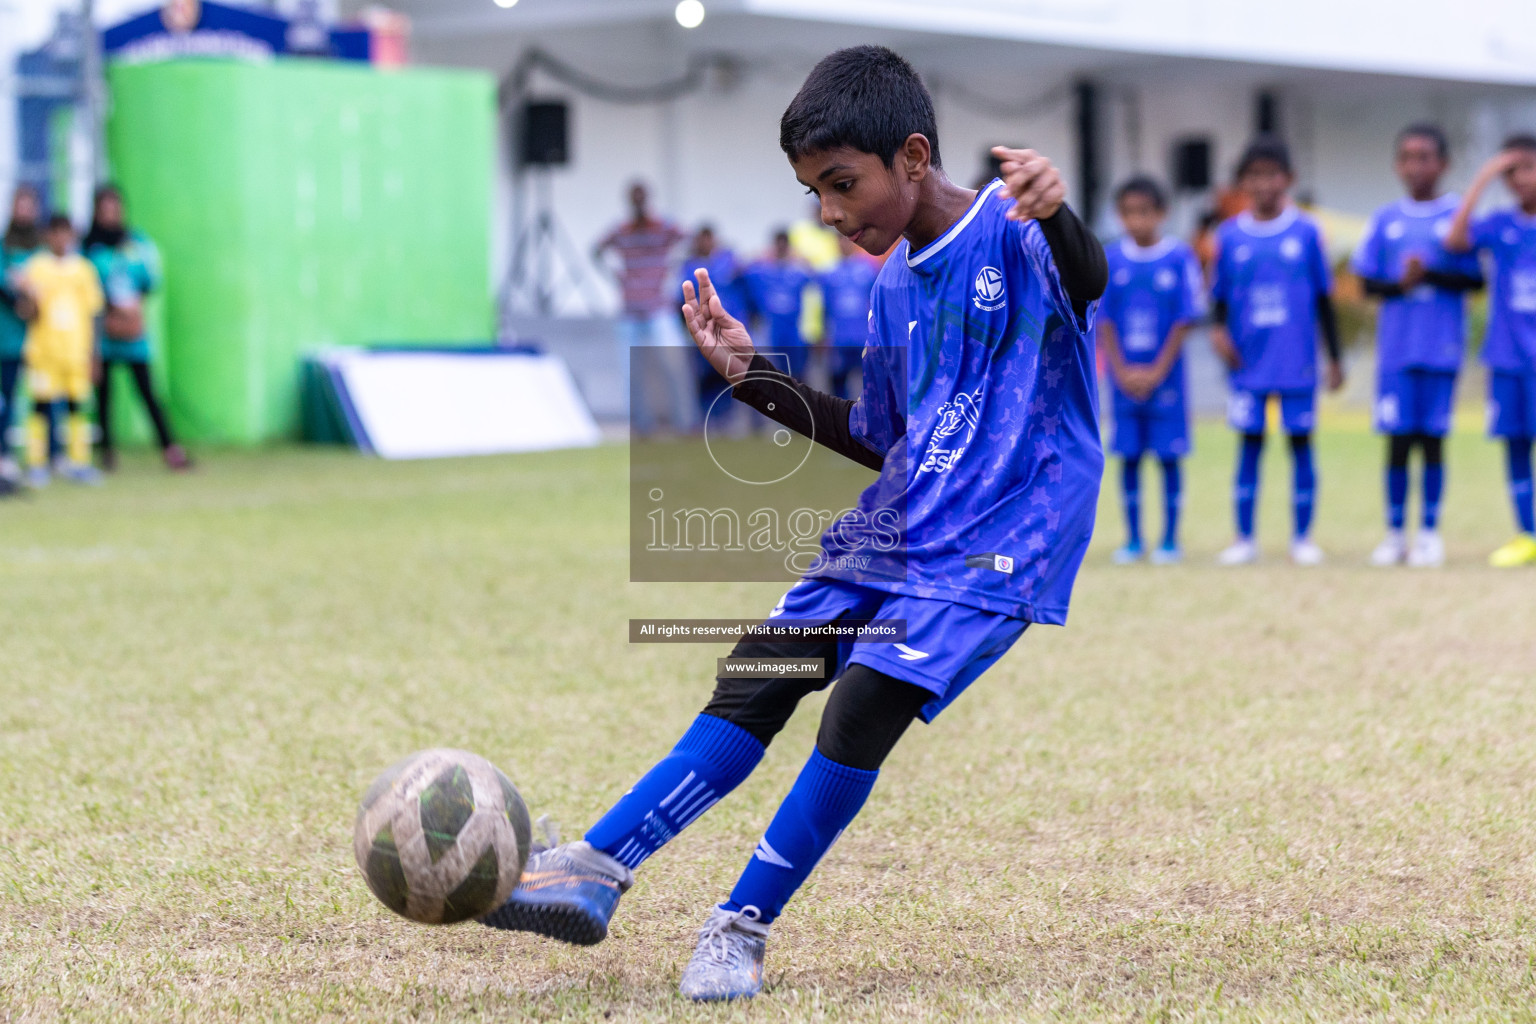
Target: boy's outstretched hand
(1031, 182)
(722, 338)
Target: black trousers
(146, 391)
(865, 716)
(10, 370)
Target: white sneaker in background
(1392, 550)
(1304, 552)
(1428, 551)
(1242, 552)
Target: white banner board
(434, 404)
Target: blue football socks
(823, 800)
(1303, 483)
(1246, 491)
(1130, 490)
(1434, 487)
(1517, 453)
(1173, 498)
(711, 759)
(1397, 496)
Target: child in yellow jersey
(59, 353)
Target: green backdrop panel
(299, 205)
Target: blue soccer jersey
(1424, 328)
(1270, 275)
(776, 292)
(1151, 291)
(979, 386)
(846, 290)
(1509, 237)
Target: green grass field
(1261, 794)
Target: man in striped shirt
(643, 246)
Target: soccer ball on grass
(442, 837)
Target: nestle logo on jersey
(990, 294)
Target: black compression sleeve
(820, 416)
(1079, 257)
(1453, 282)
(1382, 289)
(1330, 325)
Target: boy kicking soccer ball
(1155, 293)
(977, 408)
(1509, 348)
(1269, 298)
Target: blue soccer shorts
(947, 645)
(1415, 401)
(1159, 425)
(1298, 410)
(1511, 404)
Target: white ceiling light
(506, 3)
(690, 13)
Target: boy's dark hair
(1522, 141)
(1427, 130)
(1265, 148)
(60, 220)
(1142, 185)
(867, 98)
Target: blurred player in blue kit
(1269, 301)
(1508, 237)
(978, 409)
(775, 290)
(706, 253)
(1155, 293)
(846, 290)
(1419, 335)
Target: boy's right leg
(1245, 493)
(1512, 418)
(1522, 549)
(104, 416)
(1173, 499)
(41, 438)
(1393, 548)
(570, 892)
(1130, 494)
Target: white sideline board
(438, 404)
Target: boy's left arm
(1034, 186)
(1327, 319)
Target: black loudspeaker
(544, 138)
(1192, 165)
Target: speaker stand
(544, 259)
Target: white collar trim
(1264, 228)
(937, 246)
(1428, 207)
(1154, 251)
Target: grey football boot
(728, 961)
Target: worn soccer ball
(442, 836)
